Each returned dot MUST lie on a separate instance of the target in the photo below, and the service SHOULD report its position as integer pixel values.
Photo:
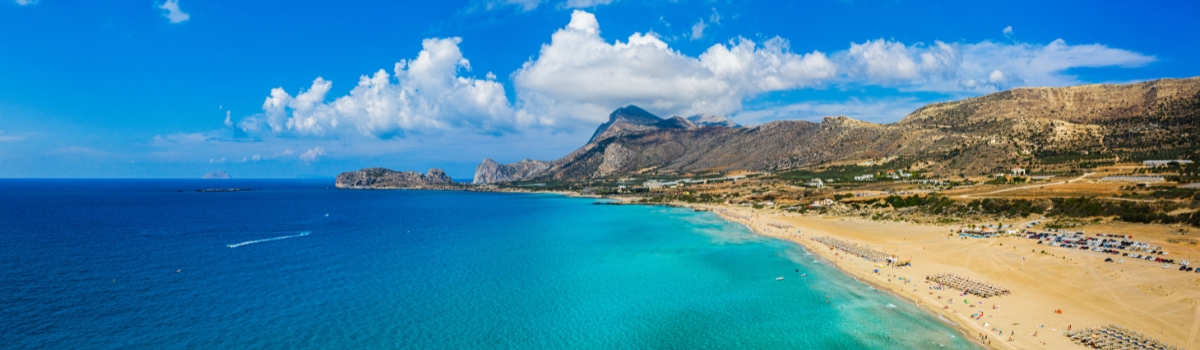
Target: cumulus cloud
(27, 2)
(228, 119)
(1008, 31)
(579, 77)
(312, 154)
(422, 94)
(172, 12)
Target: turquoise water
(138, 264)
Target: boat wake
(231, 246)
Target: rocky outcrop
(382, 178)
(1028, 127)
(217, 175)
(489, 171)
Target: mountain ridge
(1032, 126)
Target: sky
(285, 89)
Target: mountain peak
(625, 119)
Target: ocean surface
(120, 264)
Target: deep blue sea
(120, 264)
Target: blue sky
(294, 88)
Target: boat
(804, 275)
(780, 278)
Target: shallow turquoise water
(93, 264)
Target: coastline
(1160, 303)
(813, 247)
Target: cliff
(489, 171)
(382, 178)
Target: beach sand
(1140, 295)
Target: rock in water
(383, 178)
(217, 175)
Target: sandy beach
(1140, 295)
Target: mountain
(382, 178)
(489, 171)
(221, 175)
(1047, 129)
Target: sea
(287, 264)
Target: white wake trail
(305, 233)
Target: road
(1028, 187)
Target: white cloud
(216, 161)
(312, 154)
(698, 29)
(1008, 31)
(172, 12)
(881, 61)
(256, 157)
(228, 119)
(424, 94)
(715, 18)
(976, 68)
(579, 78)
(27, 2)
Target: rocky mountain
(382, 178)
(1047, 129)
(217, 175)
(489, 171)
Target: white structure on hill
(1158, 163)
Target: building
(1018, 172)
(817, 183)
(867, 177)
(821, 203)
(1158, 163)
(652, 185)
(1142, 179)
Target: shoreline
(813, 247)
(1161, 303)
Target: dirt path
(1028, 187)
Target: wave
(231, 246)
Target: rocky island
(383, 178)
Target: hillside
(1042, 129)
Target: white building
(867, 177)
(1158, 163)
